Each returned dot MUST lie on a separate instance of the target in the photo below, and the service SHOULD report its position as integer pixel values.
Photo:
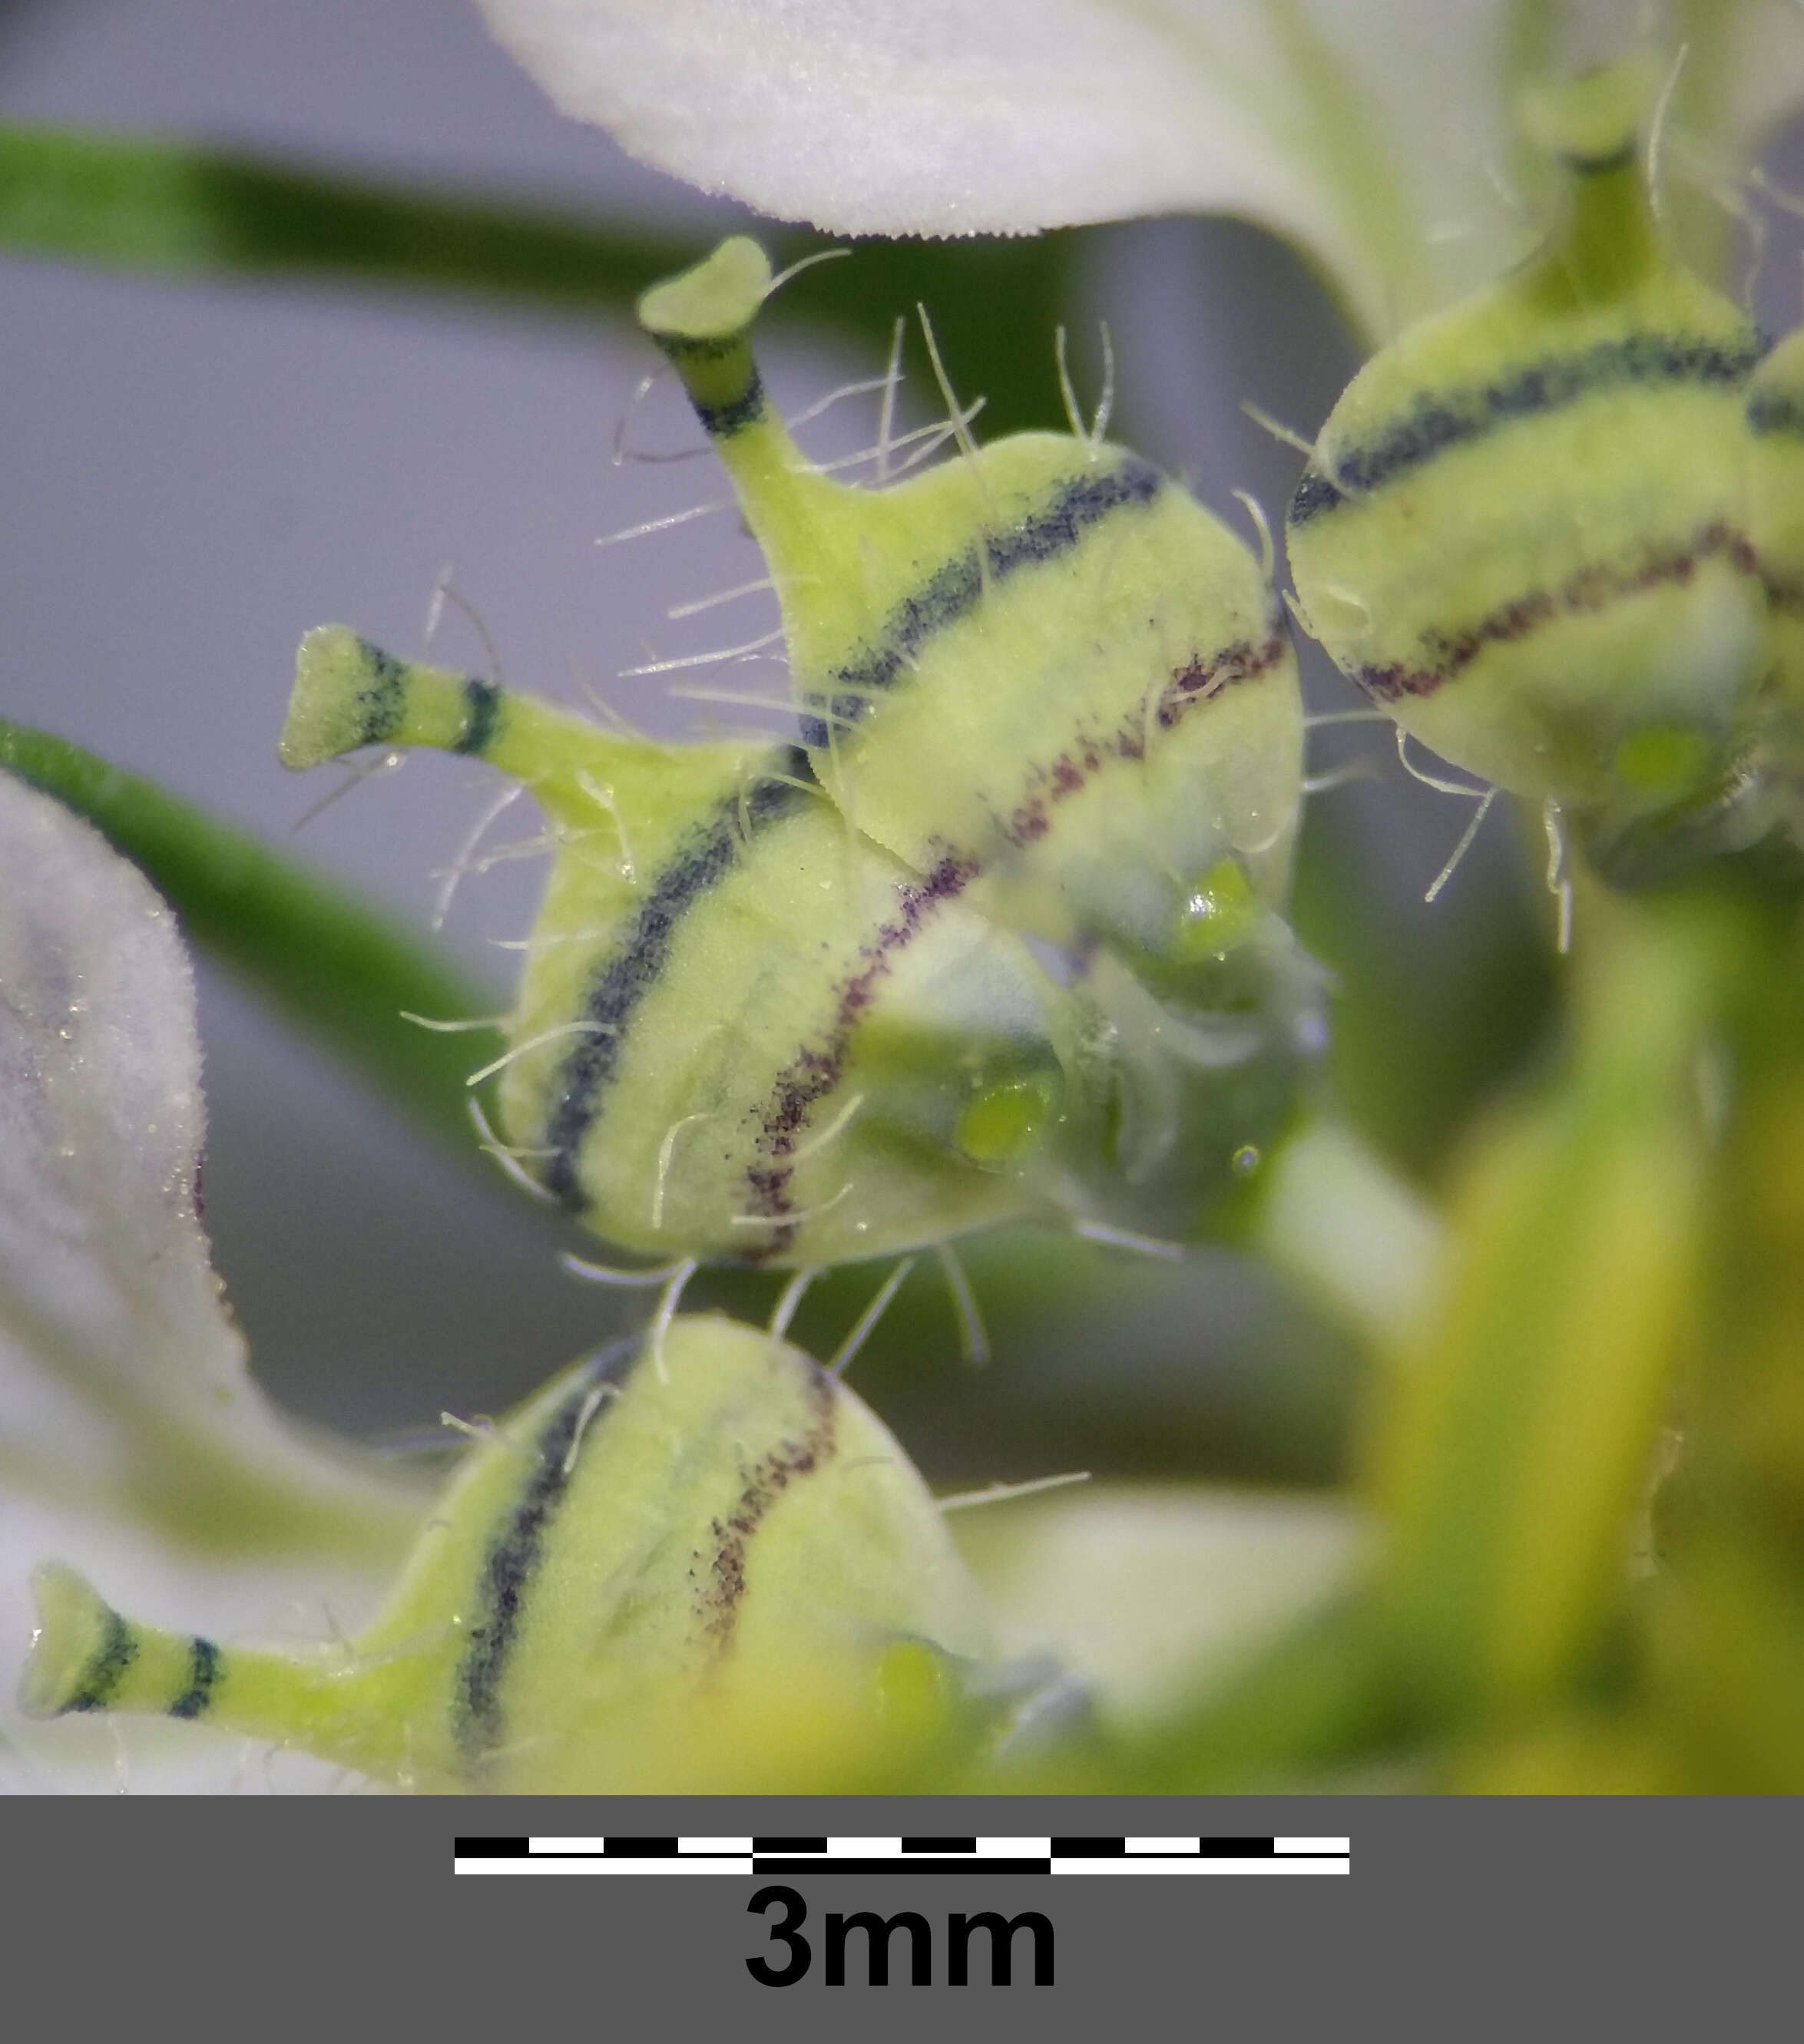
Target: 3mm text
(878, 1934)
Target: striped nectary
(1524, 528)
(1044, 661)
(780, 1005)
(656, 1560)
(744, 1031)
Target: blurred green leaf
(1320, 1705)
(994, 305)
(1728, 1616)
(1516, 1426)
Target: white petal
(121, 1374)
(1374, 133)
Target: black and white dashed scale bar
(1115, 1855)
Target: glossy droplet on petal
(1524, 528)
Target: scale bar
(1109, 1854)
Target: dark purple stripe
(1595, 588)
(813, 1073)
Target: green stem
(167, 206)
(149, 203)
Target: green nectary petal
(1524, 529)
(692, 1561)
(1043, 662)
(777, 994)
(745, 1031)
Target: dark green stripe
(954, 590)
(514, 1555)
(203, 1673)
(481, 715)
(104, 1673)
(706, 856)
(692, 350)
(1438, 420)
(1776, 414)
(722, 421)
(1618, 159)
(724, 403)
(382, 702)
